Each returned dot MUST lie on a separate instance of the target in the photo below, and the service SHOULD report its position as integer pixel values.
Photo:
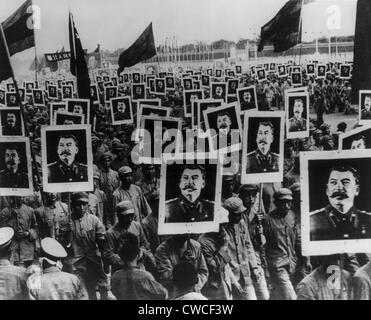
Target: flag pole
(300, 31)
(35, 63)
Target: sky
(117, 23)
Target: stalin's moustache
(190, 187)
(65, 153)
(10, 162)
(339, 194)
(262, 141)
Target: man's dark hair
(130, 247)
(69, 136)
(224, 114)
(367, 96)
(300, 100)
(346, 168)
(267, 124)
(342, 126)
(359, 137)
(185, 275)
(194, 167)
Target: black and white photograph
(10, 87)
(321, 71)
(56, 107)
(170, 83)
(11, 122)
(136, 77)
(38, 98)
(297, 115)
(94, 93)
(70, 83)
(11, 99)
(359, 138)
(79, 106)
(160, 85)
(29, 86)
(282, 71)
(187, 83)
(238, 69)
(67, 162)
(345, 70)
(161, 138)
(22, 94)
(196, 84)
(219, 90)
(262, 152)
(247, 98)
(138, 91)
(110, 93)
(261, 75)
(15, 167)
(297, 79)
(189, 96)
(52, 92)
(232, 86)
(189, 197)
(364, 108)
(198, 109)
(205, 81)
(310, 69)
(224, 128)
(2, 97)
(121, 111)
(336, 202)
(62, 118)
(218, 73)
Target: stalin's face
(12, 99)
(368, 103)
(358, 144)
(11, 119)
(298, 109)
(11, 159)
(224, 123)
(341, 190)
(191, 184)
(264, 138)
(67, 150)
(121, 107)
(138, 91)
(38, 95)
(247, 96)
(219, 91)
(77, 108)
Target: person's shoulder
(251, 154)
(317, 214)
(53, 165)
(81, 165)
(171, 201)
(292, 119)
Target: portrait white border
(81, 116)
(255, 95)
(21, 120)
(188, 115)
(80, 100)
(67, 186)
(360, 121)
(297, 134)
(21, 192)
(352, 133)
(191, 227)
(326, 247)
(51, 111)
(126, 121)
(262, 177)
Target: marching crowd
(104, 244)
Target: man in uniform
(262, 159)
(297, 122)
(189, 206)
(247, 103)
(53, 284)
(11, 127)
(12, 278)
(120, 113)
(11, 176)
(66, 169)
(366, 110)
(340, 220)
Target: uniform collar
(337, 217)
(194, 210)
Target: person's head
(11, 119)
(265, 136)
(342, 187)
(12, 99)
(328, 142)
(130, 248)
(52, 252)
(342, 126)
(138, 90)
(192, 182)
(38, 95)
(219, 91)
(12, 159)
(80, 203)
(283, 200)
(67, 91)
(6, 236)
(160, 84)
(298, 108)
(185, 277)
(149, 171)
(105, 160)
(50, 198)
(67, 148)
(235, 209)
(359, 142)
(126, 176)
(367, 104)
(223, 123)
(248, 193)
(125, 214)
(247, 96)
(77, 108)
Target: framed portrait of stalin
(15, 167)
(67, 160)
(190, 196)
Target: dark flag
(5, 66)
(362, 50)
(284, 30)
(97, 50)
(142, 49)
(78, 66)
(18, 29)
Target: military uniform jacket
(180, 210)
(13, 180)
(365, 115)
(59, 172)
(13, 281)
(297, 125)
(329, 224)
(258, 163)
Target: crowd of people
(104, 244)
